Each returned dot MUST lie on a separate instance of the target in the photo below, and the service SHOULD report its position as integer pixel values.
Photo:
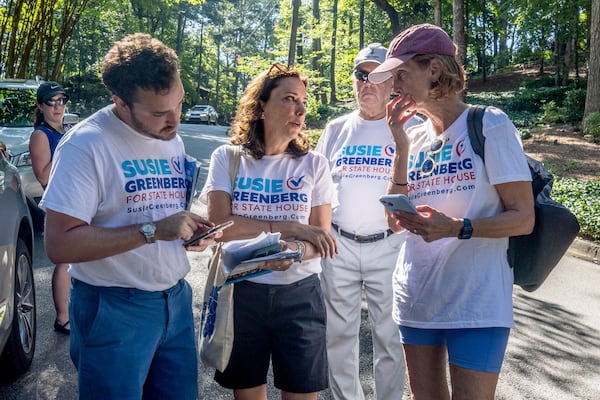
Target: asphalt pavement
(553, 352)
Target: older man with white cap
(360, 150)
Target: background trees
(223, 43)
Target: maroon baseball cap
(418, 39)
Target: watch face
(148, 229)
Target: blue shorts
(480, 349)
(282, 324)
(133, 344)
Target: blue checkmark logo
(295, 183)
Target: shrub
(551, 113)
(574, 105)
(582, 197)
(591, 125)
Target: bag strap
(475, 128)
(235, 155)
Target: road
(553, 353)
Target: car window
(17, 107)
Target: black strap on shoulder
(475, 128)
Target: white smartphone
(398, 202)
(217, 228)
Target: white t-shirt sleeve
(504, 157)
(218, 173)
(61, 195)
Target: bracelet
(301, 249)
(393, 182)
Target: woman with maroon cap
(452, 284)
(51, 102)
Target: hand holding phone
(398, 202)
(202, 235)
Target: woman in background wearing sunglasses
(48, 124)
(452, 284)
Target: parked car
(17, 106)
(18, 322)
(202, 114)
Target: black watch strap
(467, 230)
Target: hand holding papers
(243, 259)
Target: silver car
(202, 114)
(17, 291)
(17, 102)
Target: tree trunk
(332, 96)
(317, 55)
(391, 13)
(361, 24)
(592, 99)
(458, 35)
(437, 12)
(294, 31)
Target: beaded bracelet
(301, 249)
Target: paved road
(553, 353)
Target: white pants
(358, 265)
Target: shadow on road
(551, 349)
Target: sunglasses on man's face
(61, 102)
(361, 76)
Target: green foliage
(574, 105)
(582, 197)
(527, 106)
(525, 133)
(591, 125)
(547, 81)
(551, 113)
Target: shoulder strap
(475, 128)
(235, 156)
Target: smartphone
(394, 95)
(398, 202)
(217, 228)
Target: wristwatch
(467, 229)
(148, 229)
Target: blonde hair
(452, 79)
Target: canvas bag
(533, 256)
(216, 323)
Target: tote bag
(216, 323)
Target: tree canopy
(224, 43)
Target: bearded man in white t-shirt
(116, 211)
(360, 149)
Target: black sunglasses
(360, 75)
(61, 102)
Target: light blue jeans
(133, 344)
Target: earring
(262, 115)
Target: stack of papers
(239, 263)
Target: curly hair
(247, 128)
(139, 61)
(451, 81)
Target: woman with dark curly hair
(281, 186)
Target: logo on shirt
(295, 183)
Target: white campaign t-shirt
(360, 154)
(108, 175)
(274, 188)
(453, 283)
